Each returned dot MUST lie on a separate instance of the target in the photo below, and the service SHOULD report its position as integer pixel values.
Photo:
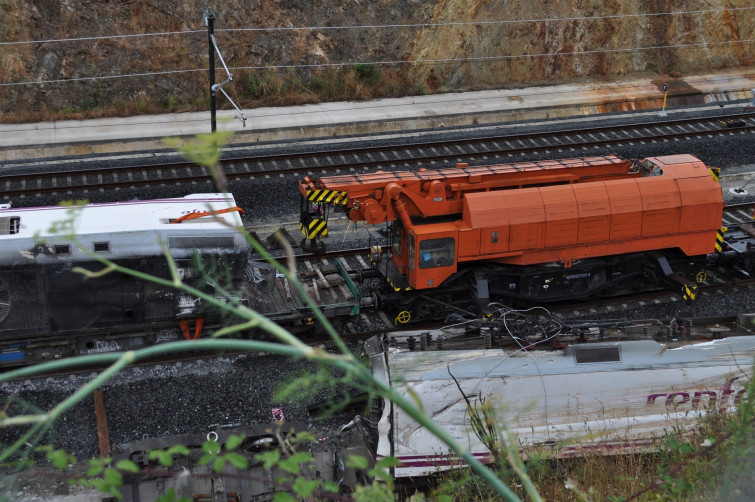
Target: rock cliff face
(548, 41)
(430, 45)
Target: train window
(10, 225)
(62, 249)
(436, 252)
(597, 355)
(101, 247)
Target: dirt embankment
(80, 56)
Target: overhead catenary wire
(492, 58)
(501, 312)
(100, 37)
(105, 77)
(388, 26)
(494, 22)
(388, 62)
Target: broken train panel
(326, 281)
(257, 482)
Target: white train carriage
(40, 294)
(605, 397)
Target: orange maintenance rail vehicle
(569, 227)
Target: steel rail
(29, 183)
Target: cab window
(397, 236)
(436, 252)
(410, 245)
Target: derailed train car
(608, 397)
(48, 309)
(43, 292)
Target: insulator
(487, 338)
(673, 330)
(423, 341)
(411, 342)
(441, 341)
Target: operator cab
(422, 257)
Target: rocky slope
(427, 46)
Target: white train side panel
(605, 397)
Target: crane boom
(390, 195)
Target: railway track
(735, 215)
(371, 321)
(569, 142)
(738, 214)
(338, 296)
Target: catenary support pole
(209, 19)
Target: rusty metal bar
(103, 433)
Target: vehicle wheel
(314, 246)
(424, 313)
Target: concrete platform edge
(346, 125)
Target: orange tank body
(680, 206)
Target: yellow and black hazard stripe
(689, 292)
(397, 288)
(334, 197)
(314, 227)
(720, 239)
(716, 173)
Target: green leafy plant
(105, 477)
(367, 72)
(297, 467)
(59, 458)
(165, 457)
(214, 454)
